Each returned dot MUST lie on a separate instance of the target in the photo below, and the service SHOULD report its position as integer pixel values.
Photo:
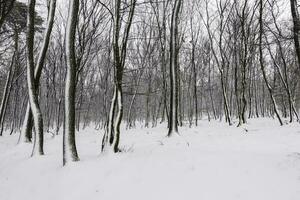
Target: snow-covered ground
(260, 161)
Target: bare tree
(261, 61)
(32, 90)
(174, 51)
(27, 124)
(112, 136)
(69, 144)
(296, 32)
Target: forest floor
(259, 161)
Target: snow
(260, 161)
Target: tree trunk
(261, 61)
(6, 92)
(69, 144)
(27, 123)
(32, 90)
(296, 21)
(174, 50)
(119, 56)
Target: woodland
(114, 67)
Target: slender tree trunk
(69, 144)
(195, 84)
(211, 90)
(118, 118)
(147, 119)
(296, 21)
(6, 92)
(109, 134)
(27, 123)
(261, 61)
(58, 116)
(174, 50)
(119, 56)
(38, 146)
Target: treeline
(102, 63)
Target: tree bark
(69, 144)
(32, 91)
(174, 50)
(27, 123)
(6, 92)
(296, 21)
(261, 61)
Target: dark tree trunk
(174, 50)
(69, 144)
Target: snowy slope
(260, 161)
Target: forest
(116, 78)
